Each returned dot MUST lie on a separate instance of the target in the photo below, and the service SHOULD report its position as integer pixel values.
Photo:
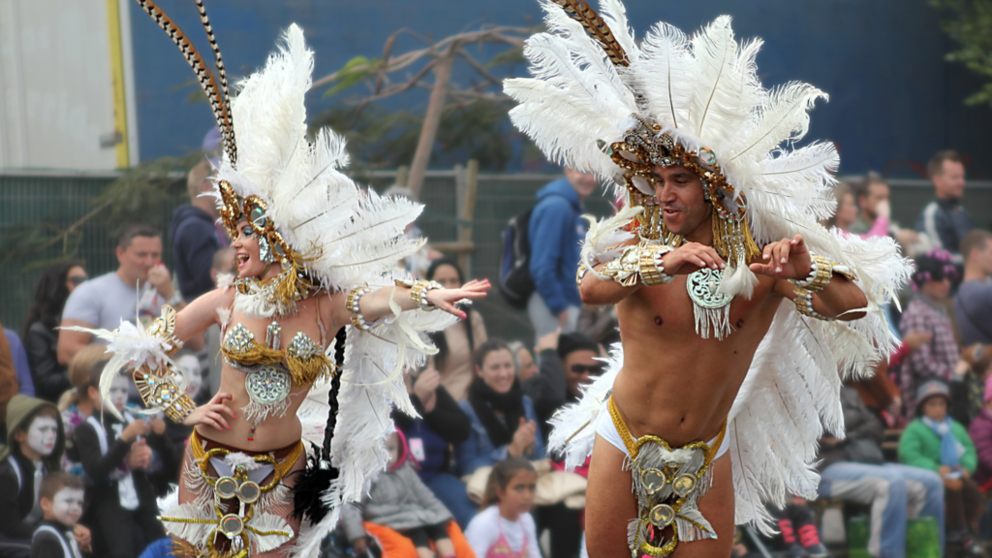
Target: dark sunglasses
(77, 279)
(592, 370)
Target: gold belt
(634, 444)
(280, 467)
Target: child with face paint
(75, 405)
(117, 457)
(61, 507)
(36, 442)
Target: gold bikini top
(303, 358)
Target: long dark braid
(320, 473)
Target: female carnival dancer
(736, 308)
(314, 254)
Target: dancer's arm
(376, 304)
(789, 261)
(200, 314)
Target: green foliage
(141, 192)
(969, 24)
(354, 71)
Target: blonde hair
(85, 368)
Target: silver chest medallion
(710, 307)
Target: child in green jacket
(937, 442)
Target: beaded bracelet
(159, 390)
(419, 290)
(352, 303)
(804, 304)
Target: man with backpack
(555, 228)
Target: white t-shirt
(106, 300)
(487, 526)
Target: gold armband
(804, 304)
(164, 327)
(159, 390)
(821, 271)
(353, 304)
(642, 262)
(651, 265)
(419, 290)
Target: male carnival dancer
(739, 314)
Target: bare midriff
(674, 384)
(274, 432)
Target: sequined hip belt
(667, 483)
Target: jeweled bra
(272, 372)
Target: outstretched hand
(445, 299)
(215, 413)
(785, 259)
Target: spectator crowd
(472, 475)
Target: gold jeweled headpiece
(647, 146)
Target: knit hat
(933, 388)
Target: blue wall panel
(894, 100)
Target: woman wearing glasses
(40, 337)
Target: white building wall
(56, 86)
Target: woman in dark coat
(40, 337)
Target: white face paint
(67, 506)
(42, 434)
(118, 391)
(189, 365)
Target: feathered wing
(795, 378)
(372, 386)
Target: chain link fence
(43, 205)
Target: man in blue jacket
(554, 230)
(194, 235)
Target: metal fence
(44, 203)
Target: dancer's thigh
(609, 502)
(717, 506)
